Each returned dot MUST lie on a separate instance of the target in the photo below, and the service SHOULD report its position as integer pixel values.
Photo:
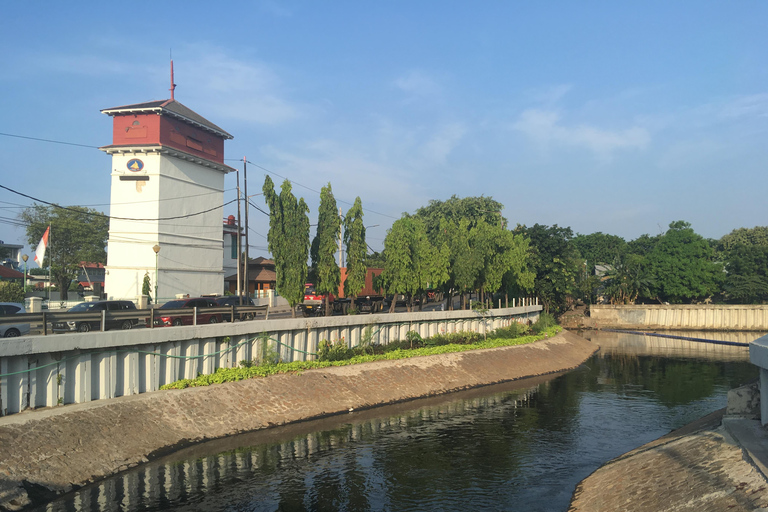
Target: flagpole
(50, 262)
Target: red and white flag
(40, 251)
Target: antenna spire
(173, 85)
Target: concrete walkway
(714, 464)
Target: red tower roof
(171, 108)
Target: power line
(316, 192)
(98, 214)
(48, 140)
(226, 159)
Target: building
(166, 197)
(261, 277)
(12, 258)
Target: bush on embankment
(337, 354)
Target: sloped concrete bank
(46, 452)
(699, 467)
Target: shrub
(414, 338)
(11, 292)
(546, 321)
(514, 330)
(333, 351)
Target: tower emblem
(135, 165)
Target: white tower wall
(190, 256)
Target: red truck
(368, 300)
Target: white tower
(167, 192)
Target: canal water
(517, 446)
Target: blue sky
(618, 117)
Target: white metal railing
(46, 371)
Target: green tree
(452, 222)
(78, 235)
(146, 286)
(413, 264)
(375, 259)
(501, 254)
(354, 240)
(11, 292)
(746, 280)
(757, 236)
(288, 240)
(599, 248)
(682, 267)
(555, 262)
(326, 272)
(627, 279)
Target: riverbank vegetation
(337, 353)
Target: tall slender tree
(288, 240)
(354, 240)
(326, 271)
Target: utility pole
(239, 243)
(245, 270)
(341, 248)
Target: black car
(95, 325)
(234, 300)
(203, 304)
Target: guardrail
(46, 371)
(47, 319)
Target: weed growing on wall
(395, 350)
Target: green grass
(247, 372)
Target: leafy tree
(555, 263)
(456, 209)
(413, 263)
(288, 240)
(78, 235)
(643, 245)
(465, 260)
(326, 272)
(627, 279)
(747, 274)
(11, 292)
(598, 248)
(146, 286)
(468, 227)
(757, 236)
(354, 240)
(375, 259)
(501, 254)
(682, 267)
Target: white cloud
(546, 128)
(440, 145)
(755, 105)
(417, 83)
(551, 94)
(238, 89)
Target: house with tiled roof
(261, 278)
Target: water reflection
(522, 445)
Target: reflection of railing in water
(675, 345)
(679, 337)
(169, 483)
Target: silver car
(12, 330)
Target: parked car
(95, 325)
(203, 317)
(234, 300)
(12, 330)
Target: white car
(12, 330)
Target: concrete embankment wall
(45, 371)
(54, 449)
(688, 317)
